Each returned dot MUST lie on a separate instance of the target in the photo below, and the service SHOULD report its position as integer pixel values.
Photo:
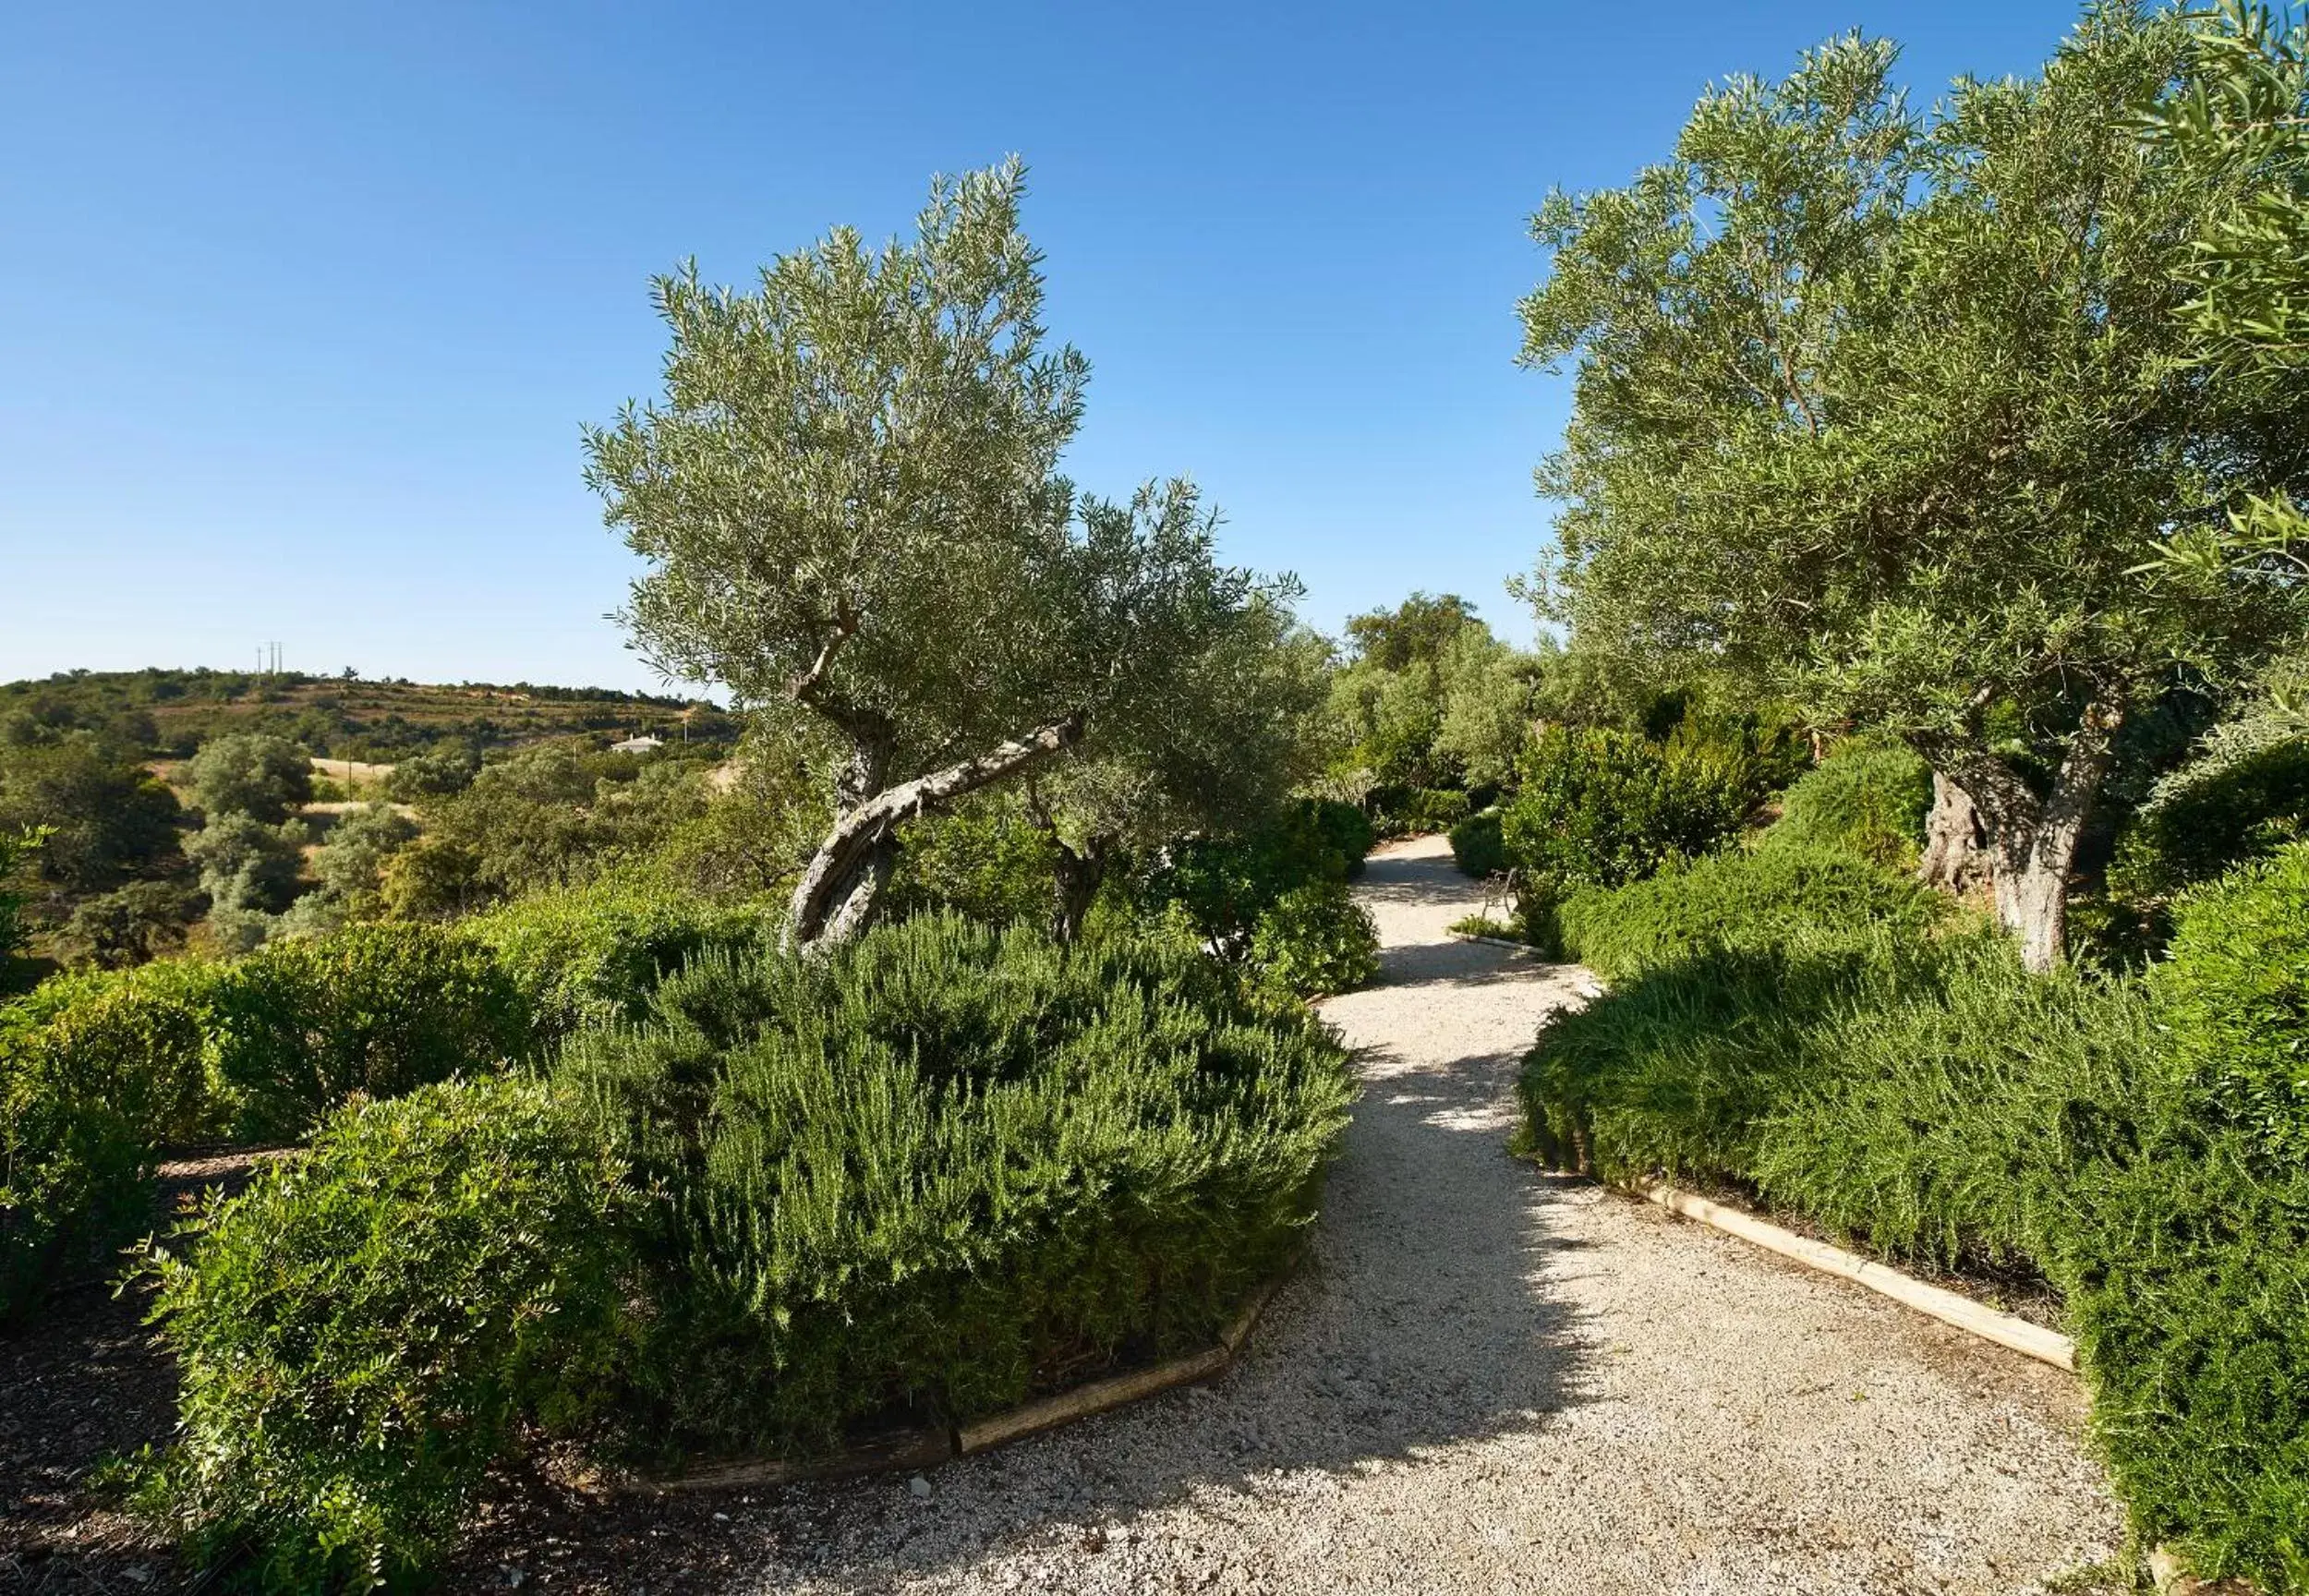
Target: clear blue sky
(301, 307)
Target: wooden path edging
(1949, 1307)
(929, 1446)
(1490, 941)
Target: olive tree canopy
(849, 498)
(1895, 413)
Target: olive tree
(251, 773)
(1892, 412)
(849, 501)
(1239, 730)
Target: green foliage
(1315, 940)
(543, 818)
(134, 1040)
(376, 1010)
(15, 850)
(592, 955)
(105, 819)
(932, 590)
(1225, 884)
(1868, 796)
(2212, 814)
(1739, 900)
(1601, 807)
(1424, 809)
(351, 865)
(250, 870)
(74, 1174)
(986, 859)
(1478, 846)
(129, 926)
(251, 773)
(440, 772)
(1432, 701)
(1418, 631)
(2235, 994)
(948, 1165)
(2139, 1145)
(1807, 447)
(361, 1331)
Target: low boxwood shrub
(1868, 796)
(1314, 941)
(1753, 899)
(1477, 847)
(593, 954)
(362, 1332)
(950, 1166)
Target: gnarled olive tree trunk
(836, 896)
(2031, 840)
(1955, 849)
(1076, 876)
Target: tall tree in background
(849, 502)
(1890, 414)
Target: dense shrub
(1603, 808)
(378, 1009)
(1225, 884)
(136, 1041)
(590, 955)
(986, 860)
(1867, 796)
(2234, 999)
(949, 1165)
(360, 1332)
(1315, 940)
(251, 773)
(1424, 809)
(1477, 847)
(75, 1182)
(2211, 815)
(2139, 1145)
(1756, 900)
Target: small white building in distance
(643, 745)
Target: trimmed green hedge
(101, 1071)
(591, 955)
(1314, 941)
(1868, 797)
(2138, 1144)
(1603, 808)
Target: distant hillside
(169, 712)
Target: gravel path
(1487, 1379)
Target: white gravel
(1488, 1379)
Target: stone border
(929, 1446)
(1949, 1307)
